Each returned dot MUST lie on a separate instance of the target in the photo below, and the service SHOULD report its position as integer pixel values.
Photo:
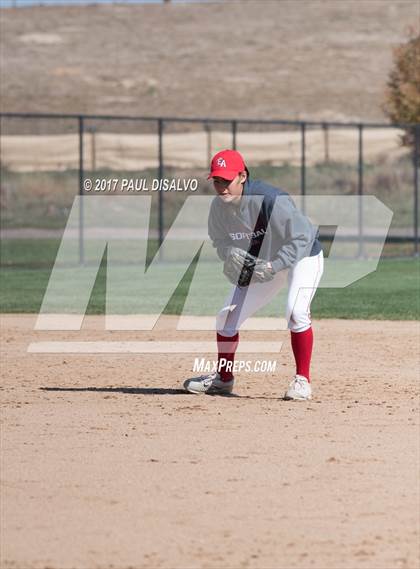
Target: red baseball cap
(226, 164)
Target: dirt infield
(107, 464)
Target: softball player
(256, 225)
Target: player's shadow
(129, 390)
(148, 391)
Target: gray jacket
(266, 223)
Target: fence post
(360, 192)
(207, 128)
(92, 131)
(303, 164)
(234, 129)
(416, 189)
(326, 143)
(81, 193)
(160, 193)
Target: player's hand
(263, 271)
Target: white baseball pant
(243, 302)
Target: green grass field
(391, 292)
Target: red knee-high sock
(226, 347)
(302, 343)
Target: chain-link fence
(46, 160)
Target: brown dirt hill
(264, 59)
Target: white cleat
(211, 383)
(299, 389)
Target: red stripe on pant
(302, 343)
(226, 347)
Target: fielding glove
(241, 266)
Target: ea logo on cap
(221, 162)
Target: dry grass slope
(295, 59)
